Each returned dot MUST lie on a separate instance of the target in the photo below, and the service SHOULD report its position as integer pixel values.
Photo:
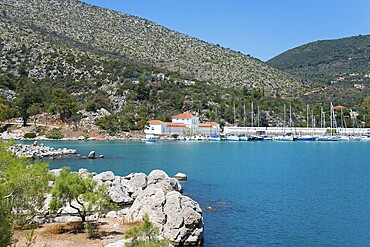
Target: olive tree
(81, 194)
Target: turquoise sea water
(263, 193)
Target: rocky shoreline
(39, 151)
(178, 217)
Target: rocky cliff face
(105, 33)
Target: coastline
(135, 195)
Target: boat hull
(306, 138)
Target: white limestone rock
(119, 194)
(181, 176)
(112, 214)
(104, 176)
(91, 155)
(55, 172)
(178, 217)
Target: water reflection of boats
(365, 138)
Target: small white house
(155, 127)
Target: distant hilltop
(68, 30)
(327, 60)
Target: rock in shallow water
(181, 176)
(91, 155)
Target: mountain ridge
(321, 60)
(143, 41)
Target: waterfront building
(182, 124)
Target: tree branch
(78, 210)
(11, 194)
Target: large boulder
(135, 183)
(178, 217)
(91, 155)
(119, 194)
(104, 176)
(84, 173)
(160, 179)
(150, 201)
(156, 176)
(184, 224)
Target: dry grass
(129, 224)
(69, 234)
(60, 228)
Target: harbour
(296, 130)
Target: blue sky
(261, 28)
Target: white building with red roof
(182, 124)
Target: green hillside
(325, 60)
(137, 40)
(66, 57)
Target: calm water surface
(263, 193)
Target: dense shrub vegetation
(54, 71)
(22, 189)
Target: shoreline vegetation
(129, 198)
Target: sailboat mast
(313, 121)
(284, 119)
(290, 115)
(331, 119)
(244, 116)
(234, 115)
(307, 116)
(258, 115)
(252, 115)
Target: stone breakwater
(178, 217)
(39, 151)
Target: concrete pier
(294, 131)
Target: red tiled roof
(184, 116)
(155, 122)
(338, 107)
(208, 123)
